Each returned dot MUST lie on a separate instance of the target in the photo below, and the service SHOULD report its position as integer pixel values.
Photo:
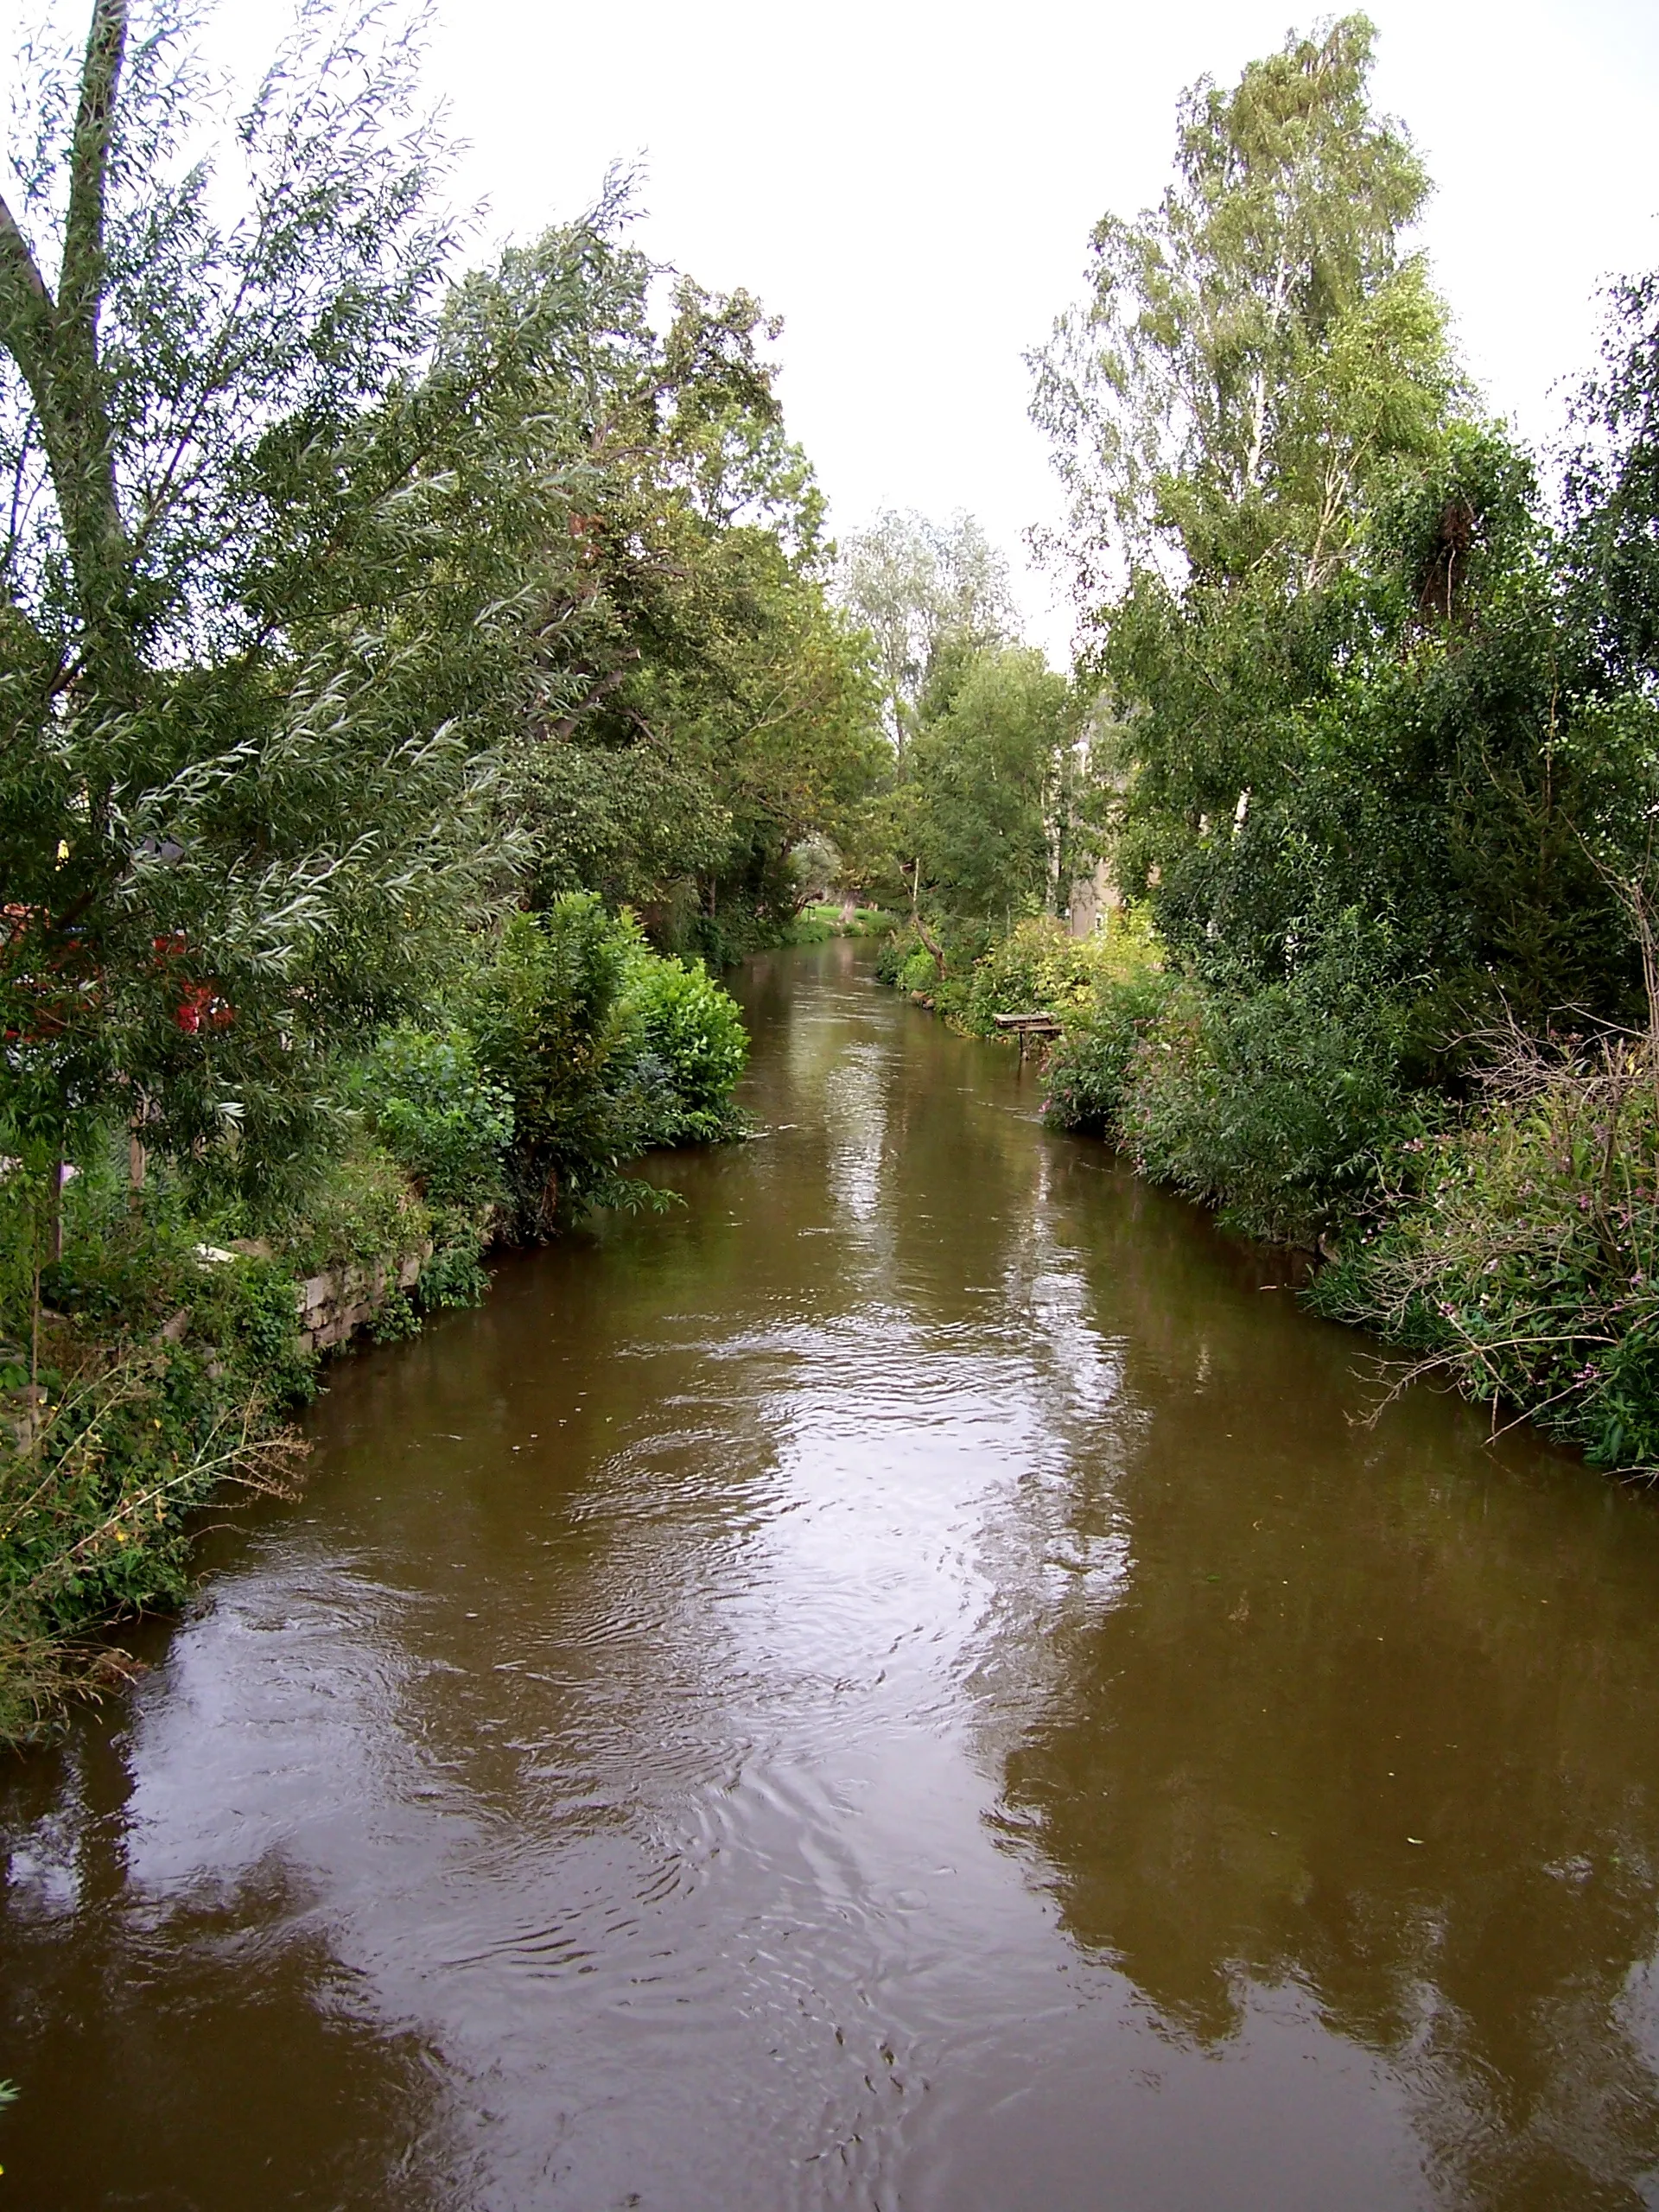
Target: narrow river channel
(900, 1683)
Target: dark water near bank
(898, 1685)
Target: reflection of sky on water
(854, 1100)
(896, 1683)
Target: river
(905, 1682)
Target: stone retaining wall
(333, 1307)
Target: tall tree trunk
(54, 344)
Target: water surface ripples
(900, 1684)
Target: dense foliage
(154, 1345)
(1366, 725)
(410, 674)
(1383, 755)
(346, 604)
(374, 633)
(1517, 1253)
(986, 812)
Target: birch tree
(1261, 345)
(917, 585)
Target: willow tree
(229, 827)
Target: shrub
(453, 1276)
(906, 959)
(1041, 966)
(813, 925)
(1516, 1254)
(246, 1310)
(545, 1014)
(1088, 1070)
(150, 1372)
(359, 1210)
(147, 1375)
(724, 938)
(692, 1047)
(450, 1125)
(894, 950)
(129, 1269)
(95, 1507)
(603, 1049)
(919, 971)
(1277, 1105)
(396, 1319)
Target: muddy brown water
(898, 1684)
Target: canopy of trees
(1359, 675)
(980, 819)
(348, 601)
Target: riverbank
(1502, 1231)
(158, 1331)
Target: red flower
(201, 1008)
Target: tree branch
(27, 315)
(80, 284)
(601, 689)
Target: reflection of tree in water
(1326, 1643)
(218, 2012)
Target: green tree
(235, 826)
(761, 687)
(336, 603)
(919, 588)
(987, 767)
(1346, 678)
(1259, 348)
(704, 706)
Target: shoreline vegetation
(1505, 1242)
(412, 674)
(1359, 758)
(419, 679)
(161, 1339)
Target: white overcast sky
(911, 186)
